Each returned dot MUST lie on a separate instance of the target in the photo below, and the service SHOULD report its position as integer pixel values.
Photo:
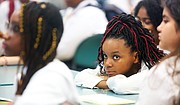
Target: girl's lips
(159, 37)
(110, 73)
(4, 45)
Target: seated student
(149, 12)
(82, 19)
(126, 53)
(33, 34)
(162, 84)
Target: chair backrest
(87, 52)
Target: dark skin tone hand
(102, 84)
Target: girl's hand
(104, 77)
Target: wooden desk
(7, 87)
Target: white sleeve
(121, 84)
(88, 78)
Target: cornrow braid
(139, 39)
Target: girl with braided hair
(162, 84)
(33, 34)
(126, 53)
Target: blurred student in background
(6, 9)
(33, 34)
(149, 12)
(82, 19)
(162, 84)
(126, 53)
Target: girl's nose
(108, 63)
(4, 36)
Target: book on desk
(103, 99)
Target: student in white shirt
(81, 19)
(149, 12)
(33, 34)
(126, 53)
(162, 84)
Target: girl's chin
(111, 75)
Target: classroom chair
(87, 52)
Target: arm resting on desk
(88, 78)
(10, 60)
(102, 84)
(121, 84)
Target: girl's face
(169, 36)
(118, 58)
(12, 44)
(146, 22)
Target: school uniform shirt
(119, 84)
(160, 88)
(165, 51)
(79, 24)
(51, 85)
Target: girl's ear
(136, 58)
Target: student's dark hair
(136, 37)
(173, 7)
(174, 10)
(41, 28)
(153, 8)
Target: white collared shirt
(51, 85)
(80, 23)
(120, 84)
(160, 87)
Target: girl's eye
(116, 57)
(13, 27)
(165, 20)
(147, 22)
(104, 56)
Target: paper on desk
(103, 99)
